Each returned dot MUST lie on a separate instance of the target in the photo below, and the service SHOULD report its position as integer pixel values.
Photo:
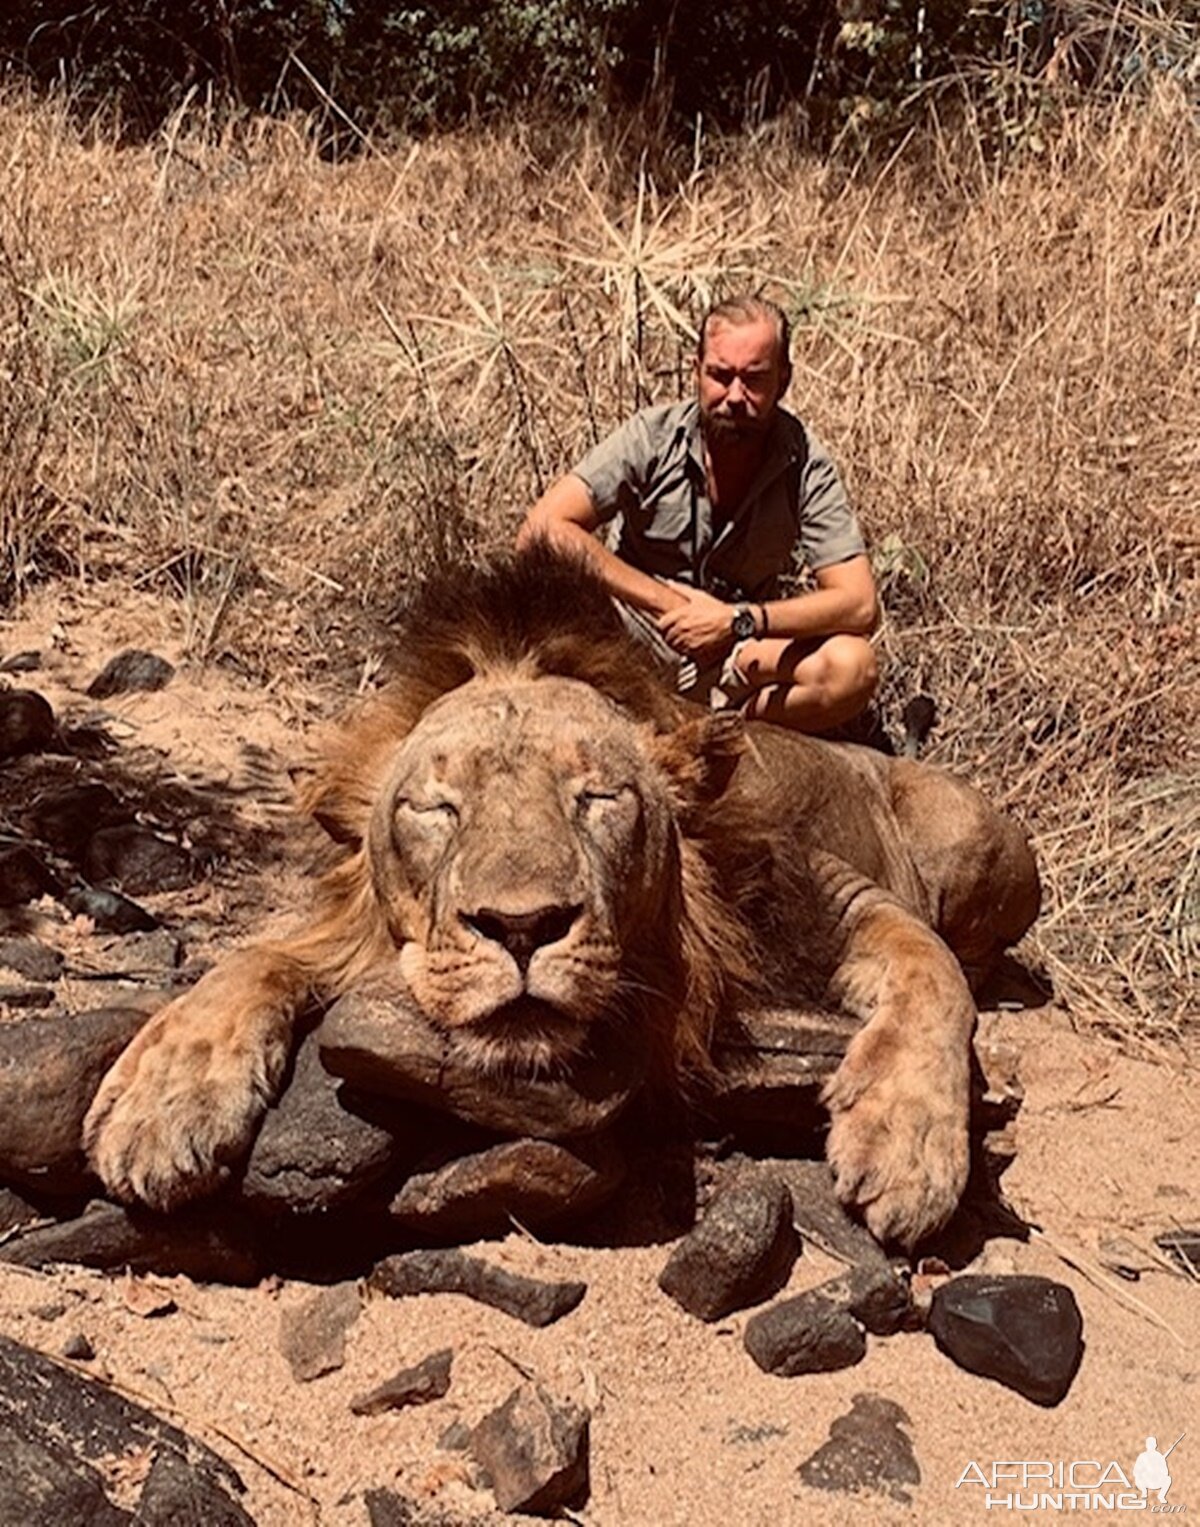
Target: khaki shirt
(650, 472)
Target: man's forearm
(636, 588)
(820, 612)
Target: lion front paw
(898, 1139)
(182, 1103)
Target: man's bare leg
(808, 686)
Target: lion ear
(700, 756)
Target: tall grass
(278, 389)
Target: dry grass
(276, 388)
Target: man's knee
(846, 669)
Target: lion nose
(522, 933)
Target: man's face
(740, 379)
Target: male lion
(535, 839)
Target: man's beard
(729, 429)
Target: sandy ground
(685, 1429)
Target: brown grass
(276, 388)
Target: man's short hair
(748, 309)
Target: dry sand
(685, 1429)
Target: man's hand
(700, 628)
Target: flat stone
(773, 1063)
(314, 1152)
(453, 1272)
(534, 1451)
(808, 1334)
(26, 996)
(110, 911)
(29, 958)
(137, 861)
(534, 1183)
(131, 670)
(1025, 1332)
(740, 1253)
(866, 1450)
(382, 1044)
(820, 1217)
(15, 1211)
(21, 662)
(27, 723)
(50, 1069)
(312, 1335)
(24, 876)
(425, 1381)
(213, 1243)
(67, 816)
(56, 1424)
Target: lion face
(523, 849)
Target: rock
(428, 1380)
(21, 662)
(387, 1509)
(15, 1212)
(210, 1242)
(27, 723)
(26, 996)
(131, 670)
(739, 1254)
(24, 876)
(66, 818)
(875, 1296)
(312, 1335)
(382, 1044)
(453, 1272)
(153, 955)
(866, 1450)
(808, 1334)
(34, 961)
(56, 1423)
(314, 1152)
(138, 861)
(773, 1064)
(1025, 1332)
(109, 910)
(50, 1069)
(534, 1182)
(534, 1452)
(78, 1348)
(820, 1217)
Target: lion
(535, 842)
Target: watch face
(744, 624)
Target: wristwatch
(744, 624)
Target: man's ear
(700, 757)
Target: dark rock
(740, 1253)
(453, 1272)
(387, 1509)
(534, 1182)
(55, 1423)
(34, 961)
(808, 1334)
(138, 861)
(876, 1297)
(314, 1152)
(312, 1335)
(534, 1452)
(14, 1211)
(131, 670)
(456, 1438)
(24, 877)
(210, 1242)
(153, 955)
(109, 910)
(66, 817)
(866, 1450)
(773, 1064)
(1025, 1332)
(428, 1380)
(21, 662)
(175, 1495)
(1183, 1248)
(820, 1217)
(50, 1069)
(78, 1348)
(383, 1044)
(26, 996)
(27, 723)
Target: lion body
(535, 840)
